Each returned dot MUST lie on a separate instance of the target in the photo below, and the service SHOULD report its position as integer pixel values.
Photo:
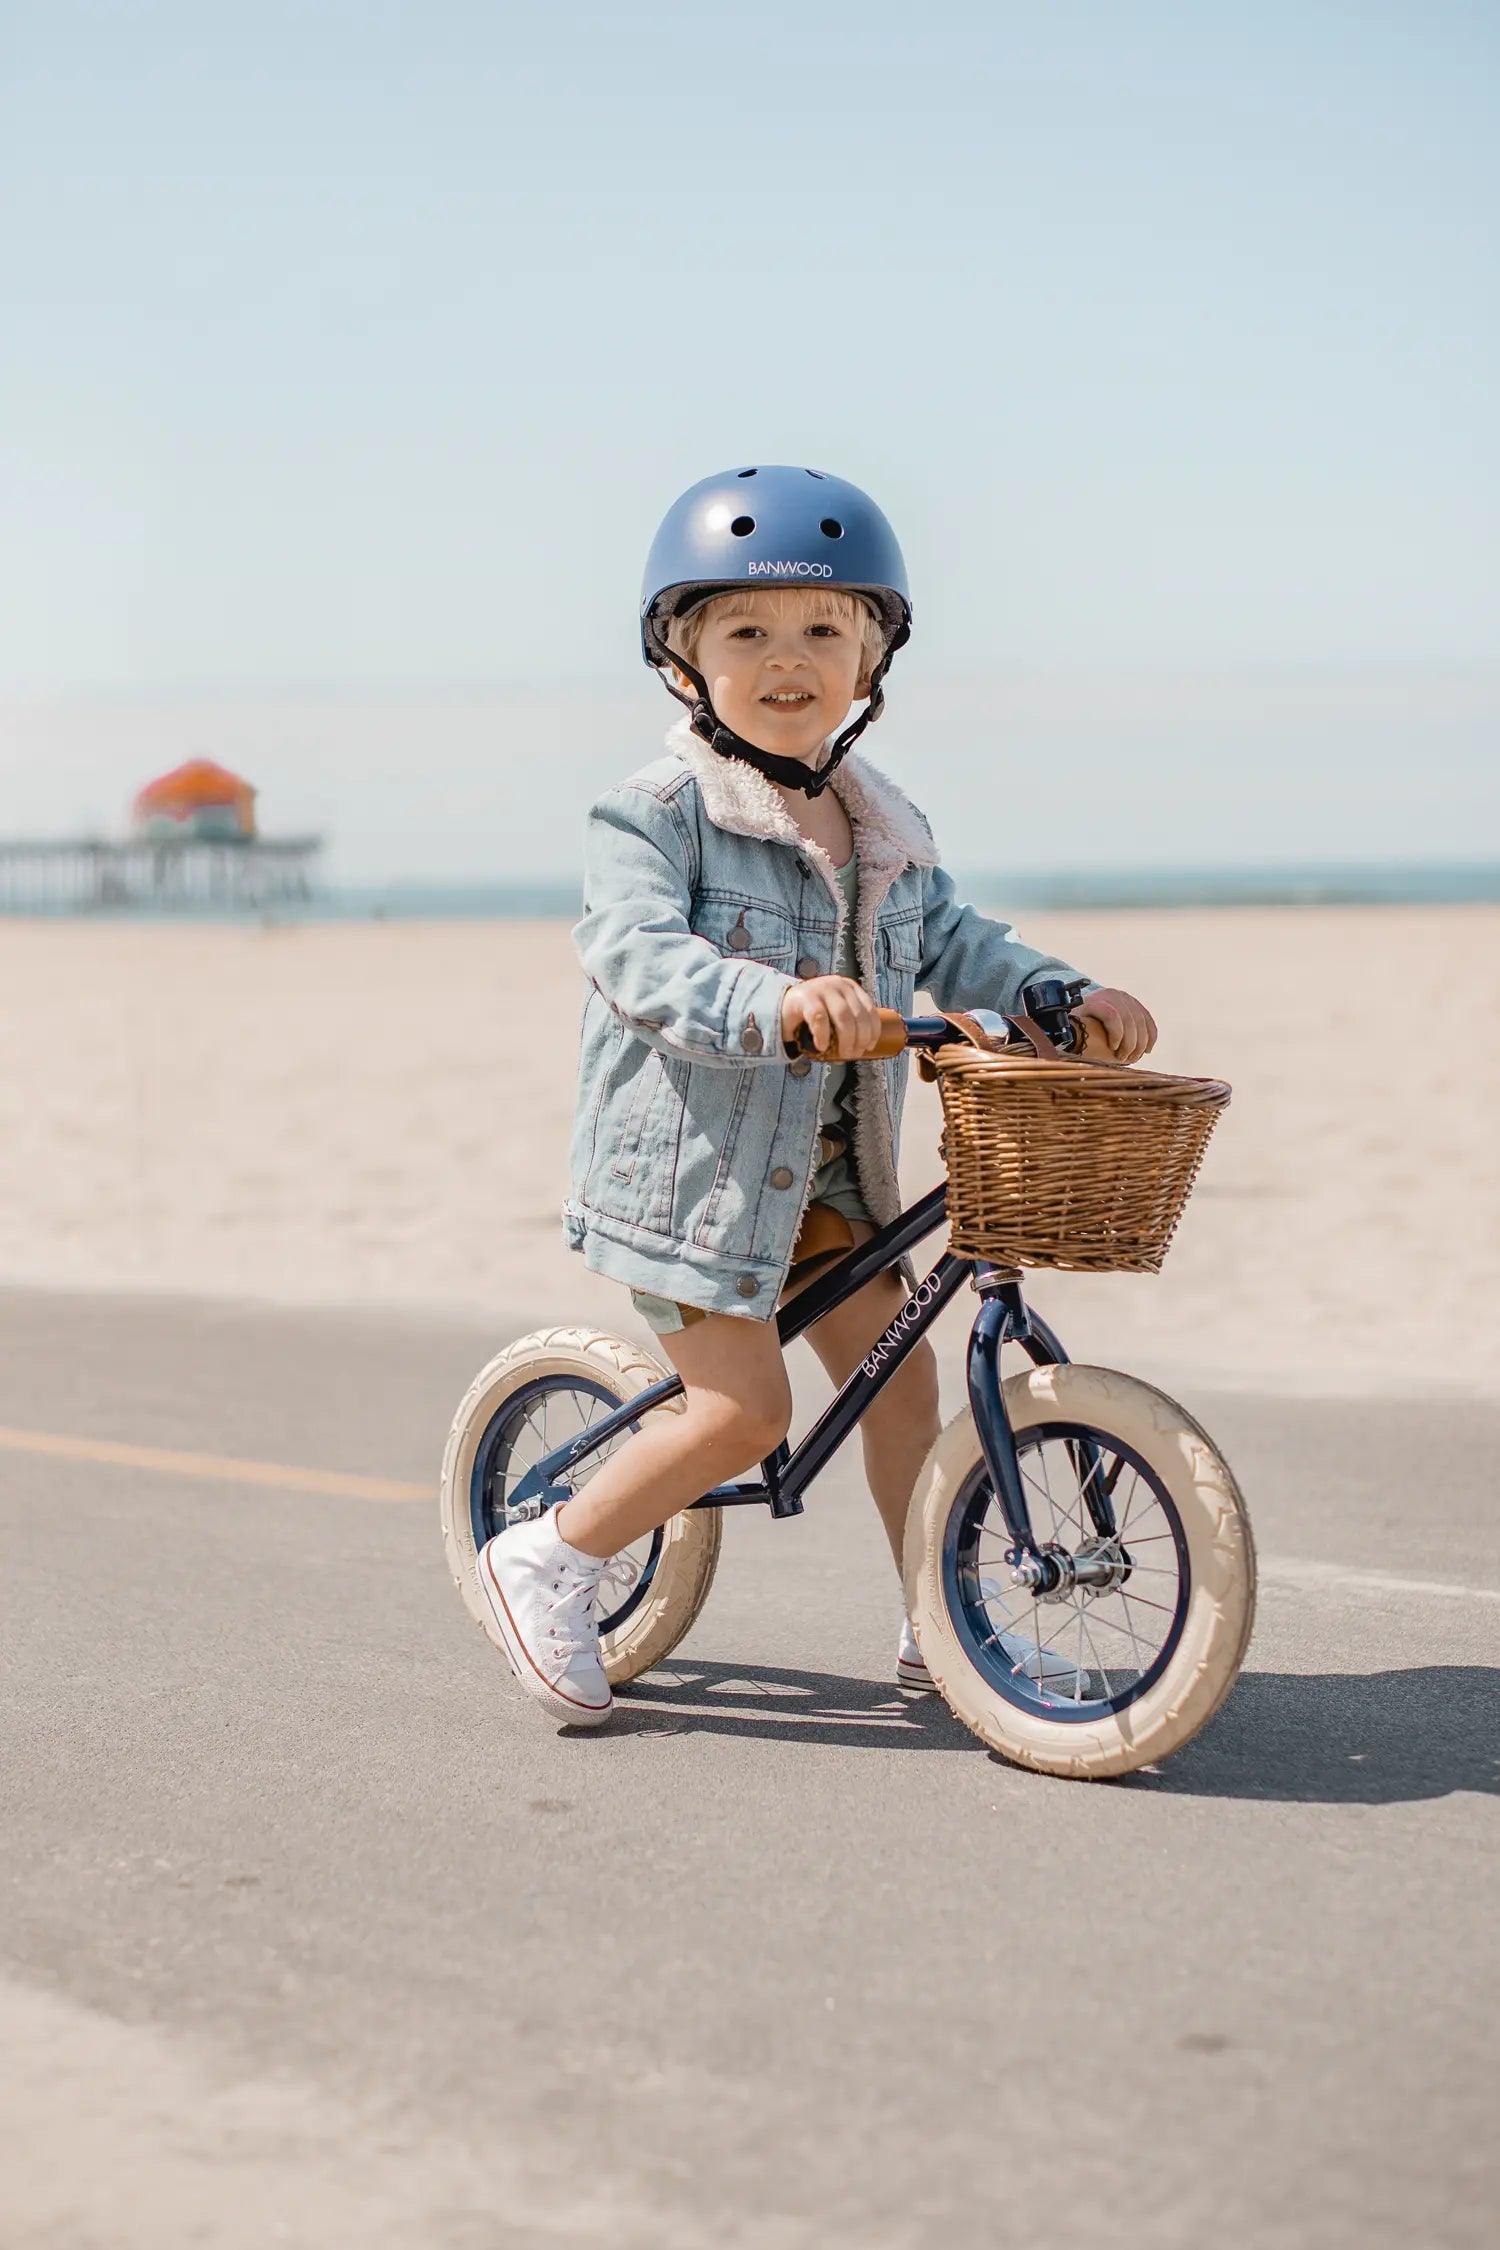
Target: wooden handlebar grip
(892, 1034)
(891, 1041)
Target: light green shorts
(833, 1182)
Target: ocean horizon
(1328, 883)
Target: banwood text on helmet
(771, 527)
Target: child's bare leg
(902, 1422)
(737, 1408)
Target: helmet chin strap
(792, 773)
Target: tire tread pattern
(690, 1548)
(1221, 1548)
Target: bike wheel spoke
(1039, 1646)
(545, 1422)
(1051, 1503)
(1098, 1662)
(1085, 1482)
(1028, 1478)
(1134, 1642)
(1083, 1486)
(1135, 1493)
(1000, 1600)
(1098, 1642)
(1145, 1602)
(1074, 1524)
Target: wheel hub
(530, 1499)
(1101, 1565)
(1054, 1574)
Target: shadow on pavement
(1327, 1738)
(1347, 1738)
(765, 1702)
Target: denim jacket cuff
(752, 1020)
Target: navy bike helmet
(771, 527)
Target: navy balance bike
(1077, 1509)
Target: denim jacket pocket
(745, 929)
(899, 957)
(633, 1137)
(639, 1182)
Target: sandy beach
(377, 1114)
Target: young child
(755, 880)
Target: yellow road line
(276, 1474)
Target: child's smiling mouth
(788, 699)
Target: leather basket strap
(1041, 1044)
(975, 1035)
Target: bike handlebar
(1048, 1002)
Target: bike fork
(1004, 1318)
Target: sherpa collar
(889, 832)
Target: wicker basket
(1084, 1166)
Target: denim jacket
(695, 1142)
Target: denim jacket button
(808, 967)
(750, 1038)
(747, 1285)
(799, 1068)
(782, 1176)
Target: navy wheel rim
(504, 1455)
(982, 1605)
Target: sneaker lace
(570, 1629)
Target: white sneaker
(912, 1675)
(1046, 1667)
(539, 1609)
(1043, 1665)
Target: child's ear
(683, 681)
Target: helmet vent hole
(742, 526)
(745, 472)
(820, 474)
(831, 528)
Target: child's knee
(762, 1421)
(746, 1425)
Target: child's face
(780, 675)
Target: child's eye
(831, 630)
(744, 632)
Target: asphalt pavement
(316, 1933)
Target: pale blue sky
(351, 353)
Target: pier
(156, 874)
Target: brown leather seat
(825, 1234)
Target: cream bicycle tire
(689, 1553)
(1220, 1593)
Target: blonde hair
(814, 602)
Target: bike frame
(1003, 1317)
